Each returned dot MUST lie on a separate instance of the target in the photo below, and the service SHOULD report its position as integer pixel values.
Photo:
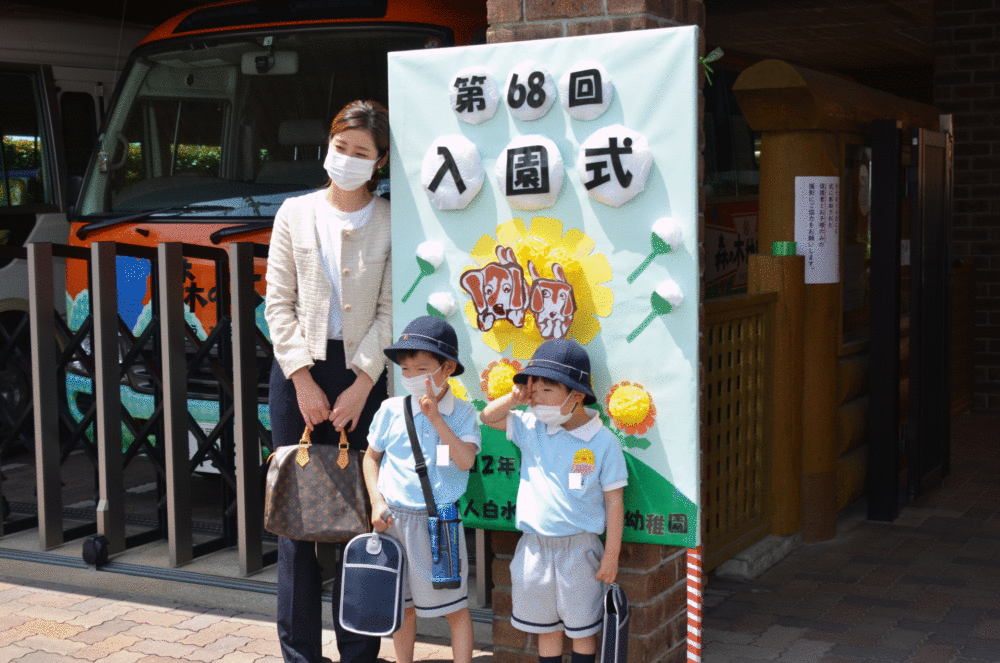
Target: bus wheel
(4, 508)
(15, 377)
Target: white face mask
(417, 386)
(347, 172)
(552, 414)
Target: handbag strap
(302, 455)
(418, 457)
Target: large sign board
(548, 189)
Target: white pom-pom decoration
(530, 91)
(443, 302)
(669, 230)
(452, 172)
(613, 164)
(474, 95)
(530, 173)
(431, 252)
(585, 91)
(671, 292)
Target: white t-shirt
(330, 223)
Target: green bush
(21, 154)
(191, 160)
(197, 160)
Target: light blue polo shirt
(398, 480)
(550, 501)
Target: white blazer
(297, 303)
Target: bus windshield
(231, 126)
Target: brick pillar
(653, 577)
(967, 84)
(520, 20)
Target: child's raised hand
(521, 393)
(609, 569)
(428, 402)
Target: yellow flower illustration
(631, 407)
(544, 244)
(497, 379)
(458, 389)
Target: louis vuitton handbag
(316, 492)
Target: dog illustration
(552, 302)
(498, 290)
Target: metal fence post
(170, 262)
(111, 504)
(44, 390)
(248, 495)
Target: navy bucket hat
(430, 334)
(564, 361)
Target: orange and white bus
(222, 113)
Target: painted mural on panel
(555, 196)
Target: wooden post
(788, 154)
(819, 412)
(783, 274)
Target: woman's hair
(371, 116)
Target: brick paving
(922, 589)
(50, 623)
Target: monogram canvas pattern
(318, 501)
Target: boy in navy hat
(446, 427)
(573, 475)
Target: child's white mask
(552, 414)
(417, 385)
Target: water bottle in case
(445, 530)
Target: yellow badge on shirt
(583, 461)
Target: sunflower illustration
(631, 407)
(497, 379)
(545, 244)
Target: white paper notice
(443, 459)
(817, 227)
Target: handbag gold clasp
(302, 455)
(342, 457)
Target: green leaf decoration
(659, 248)
(660, 307)
(426, 269)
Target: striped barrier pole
(695, 582)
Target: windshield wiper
(223, 233)
(142, 216)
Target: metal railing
(173, 366)
(736, 396)
(103, 350)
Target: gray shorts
(553, 584)
(410, 527)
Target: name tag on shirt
(575, 481)
(443, 460)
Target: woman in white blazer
(329, 313)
